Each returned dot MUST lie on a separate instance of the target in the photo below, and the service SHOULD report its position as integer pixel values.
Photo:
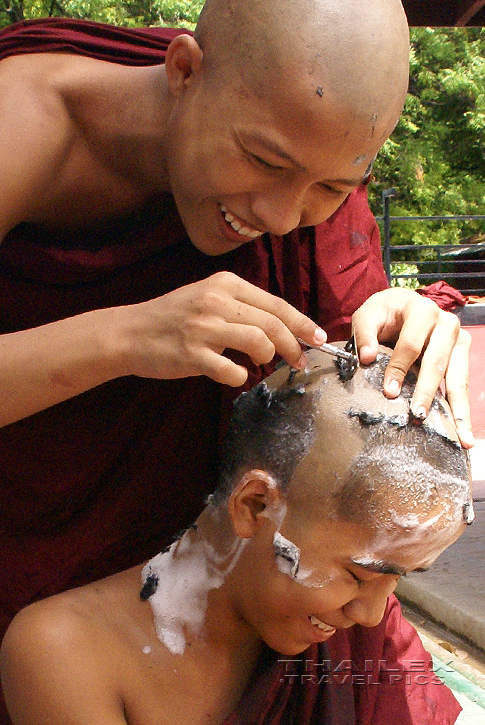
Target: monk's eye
(262, 163)
(356, 578)
(332, 190)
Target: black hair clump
(346, 368)
(271, 429)
(366, 418)
(149, 588)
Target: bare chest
(184, 693)
(112, 161)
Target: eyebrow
(276, 149)
(384, 567)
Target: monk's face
(346, 573)
(243, 162)
(329, 554)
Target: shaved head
(348, 52)
(341, 447)
(277, 110)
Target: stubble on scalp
(376, 463)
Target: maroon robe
(98, 483)
(360, 676)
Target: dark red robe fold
(360, 676)
(98, 483)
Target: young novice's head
(328, 493)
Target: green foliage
(406, 275)
(130, 13)
(435, 158)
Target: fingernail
(320, 336)
(393, 387)
(420, 413)
(467, 438)
(301, 362)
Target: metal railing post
(386, 195)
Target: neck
(192, 603)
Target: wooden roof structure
(437, 13)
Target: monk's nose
(282, 208)
(368, 607)
(278, 210)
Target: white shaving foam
(186, 573)
(291, 566)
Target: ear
(255, 493)
(182, 61)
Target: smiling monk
(328, 493)
(175, 210)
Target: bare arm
(181, 334)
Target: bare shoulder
(52, 624)
(35, 131)
(66, 158)
(55, 666)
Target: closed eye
(332, 190)
(356, 578)
(262, 163)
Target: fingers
(297, 323)
(379, 319)
(221, 369)
(424, 328)
(261, 336)
(456, 381)
(434, 363)
(260, 324)
(420, 329)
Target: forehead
(320, 132)
(387, 550)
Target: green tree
(435, 158)
(131, 13)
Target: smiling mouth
(240, 227)
(327, 628)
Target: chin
(210, 246)
(289, 648)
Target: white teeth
(324, 627)
(238, 227)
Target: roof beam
(445, 12)
(467, 9)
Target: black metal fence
(461, 265)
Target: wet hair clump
(269, 429)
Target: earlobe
(255, 493)
(182, 61)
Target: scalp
(355, 51)
(369, 458)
